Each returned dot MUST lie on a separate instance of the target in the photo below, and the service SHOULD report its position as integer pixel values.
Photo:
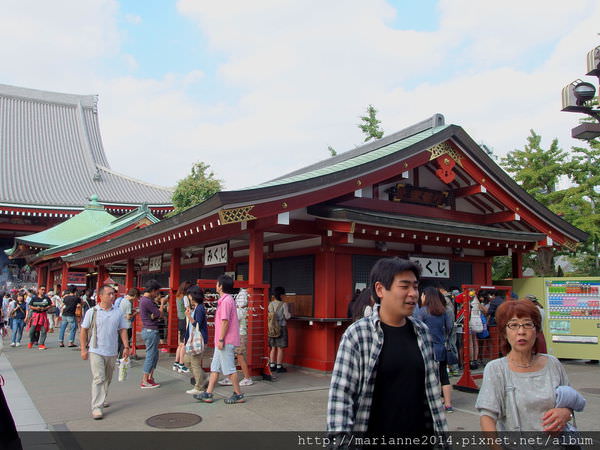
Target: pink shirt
(226, 310)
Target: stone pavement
(50, 390)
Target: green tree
(199, 185)
(535, 169)
(370, 124)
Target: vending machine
(571, 313)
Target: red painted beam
(504, 216)
(22, 227)
(469, 190)
(334, 225)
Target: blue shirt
(199, 316)
(439, 329)
(108, 324)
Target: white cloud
(305, 71)
(133, 19)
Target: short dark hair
(226, 283)
(72, 289)
(386, 269)
(196, 293)
(278, 292)
(133, 292)
(104, 288)
(152, 285)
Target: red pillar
(517, 265)
(102, 274)
(64, 281)
(49, 280)
(42, 275)
(257, 297)
(173, 285)
(129, 275)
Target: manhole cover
(595, 391)
(173, 420)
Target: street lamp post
(578, 97)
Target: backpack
(273, 322)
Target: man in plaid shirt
(385, 378)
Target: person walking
(105, 324)
(385, 378)
(70, 303)
(227, 337)
(18, 314)
(433, 314)
(38, 322)
(151, 315)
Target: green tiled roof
(356, 160)
(90, 224)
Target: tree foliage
(199, 185)
(332, 151)
(370, 124)
(538, 171)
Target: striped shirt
(355, 372)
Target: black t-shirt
(38, 302)
(70, 302)
(399, 399)
(492, 309)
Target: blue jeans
(151, 340)
(68, 320)
(17, 329)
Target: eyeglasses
(516, 325)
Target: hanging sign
(216, 255)
(76, 278)
(433, 267)
(155, 264)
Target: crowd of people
(105, 332)
(392, 365)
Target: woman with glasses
(519, 391)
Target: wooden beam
(335, 225)
(503, 216)
(469, 190)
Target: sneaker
(151, 380)
(449, 409)
(176, 367)
(18, 344)
(272, 366)
(164, 350)
(42, 347)
(205, 397)
(60, 344)
(30, 345)
(12, 344)
(225, 382)
(193, 391)
(71, 345)
(235, 398)
(183, 369)
(246, 382)
(281, 369)
(97, 414)
(149, 385)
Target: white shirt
(108, 324)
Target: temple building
(428, 193)
(52, 162)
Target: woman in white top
(518, 392)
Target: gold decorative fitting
(406, 165)
(444, 148)
(517, 208)
(284, 205)
(358, 183)
(236, 215)
(482, 180)
(569, 244)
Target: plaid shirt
(355, 372)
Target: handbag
(475, 323)
(195, 343)
(483, 334)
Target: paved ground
(50, 390)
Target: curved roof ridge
(87, 101)
(135, 180)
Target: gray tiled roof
(51, 153)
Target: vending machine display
(573, 299)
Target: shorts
(181, 327)
(281, 341)
(241, 349)
(224, 360)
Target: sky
(260, 88)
